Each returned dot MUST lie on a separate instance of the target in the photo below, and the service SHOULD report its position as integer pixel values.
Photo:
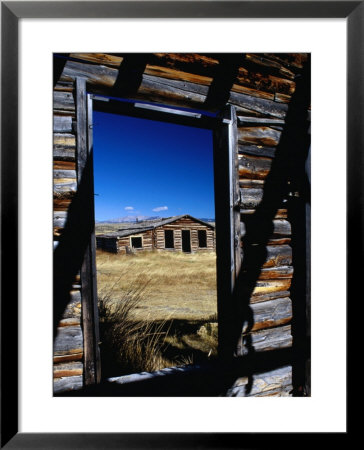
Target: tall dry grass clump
(129, 345)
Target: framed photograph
(258, 192)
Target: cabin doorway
(186, 241)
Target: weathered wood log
(63, 174)
(269, 296)
(61, 359)
(269, 339)
(281, 227)
(280, 214)
(99, 58)
(276, 256)
(63, 101)
(59, 219)
(276, 272)
(260, 105)
(257, 150)
(67, 369)
(263, 384)
(64, 186)
(252, 198)
(259, 135)
(64, 86)
(265, 61)
(244, 121)
(269, 314)
(62, 124)
(61, 204)
(68, 341)
(67, 384)
(94, 74)
(290, 60)
(72, 321)
(73, 309)
(63, 141)
(253, 167)
(64, 165)
(263, 287)
(252, 184)
(64, 154)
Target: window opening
(155, 179)
(136, 242)
(202, 239)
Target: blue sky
(149, 168)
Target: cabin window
(136, 242)
(202, 239)
(173, 294)
(168, 239)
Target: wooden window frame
(171, 231)
(198, 237)
(227, 213)
(136, 236)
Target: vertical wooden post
(91, 370)
(227, 226)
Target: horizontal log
(272, 273)
(70, 368)
(269, 314)
(63, 101)
(95, 74)
(64, 165)
(269, 339)
(281, 227)
(60, 204)
(67, 384)
(62, 359)
(64, 186)
(62, 124)
(64, 174)
(289, 60)
(257, 150)
(73, 308)
(252, 198)
(63, 141)
(68, 340)
(280, 213)
(276, 255)
(65, 86)
(64, 154)
(73, 321)
(265, 61)
(263, 287)
(277, 380)
(258, 121)
(263, 106)
(250, 183)
(268, 296)
(259, 135)
(253, 167)
(99, 58)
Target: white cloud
(129, 208)
(160, 208)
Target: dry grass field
(157, 309)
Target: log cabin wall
(177, 226)
(68, 344)
(262, 88)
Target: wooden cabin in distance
(178, 233)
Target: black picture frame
(11, 12)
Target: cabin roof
(141, 227)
